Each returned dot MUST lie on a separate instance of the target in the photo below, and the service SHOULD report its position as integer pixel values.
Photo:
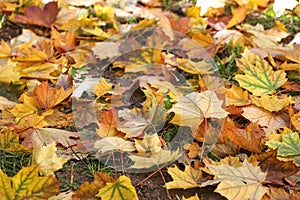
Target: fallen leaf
(108, 124)
(5, 50)
(27, 184)
(193, 148)
(109, 144)
(268, 120)
(271, 103)
(236, 96)
(154, 160)
(47, 159)
(103, 88)
(290, 145)
(245, 182)
(205, 5)
(37, 16)
(190, 110)
(120, 189)
(195, 197)
(296, 120)
(9, 141)
(189, 178)
(149, 144)
(89, 190)
(239, 16)
(280, 194)
(259, 76)
(275, 168)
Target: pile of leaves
(207, 92)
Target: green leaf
(290, 145)
(259, 76)
(122, 189)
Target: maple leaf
(281, 193)
(64, 43)
(154, 160)
(289, 145)
(236, 96)
(296, 120)
(9, 141)
(47, 159)
(108, 124)
(245, 182)
(8, 73)
(150, 143)
(48, 97)
(195, 197)
(102, 88)
(189, 178)
(120, 189)
(271, 103)
(89, 190)
(109, 144)
(239, 16)
(26, 184)
(276, 169)
(37, 16)
(268, 120)
(193, 148)
(190, 110)
(205, 5)
(5, 49)
(259, 76)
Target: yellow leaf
(239, 15)
(236, 96)
(5, 50)
(143, 24)
(271, 103)
(195, 197)
(6, 191)
(47, 159)
(245, 182)
(191, 109)
(8, 73)
(109, 144)
(10, 142)
(154, 160)
(122, 189)
(268, 120)
(27, 184)
(189, 178)
(102, 88)
(150, 143)
(296, 120)
(200, 67)
(259, 76)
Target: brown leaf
(281, 194)
(276, 169)
(88, 190)
(37, 16)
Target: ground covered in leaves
(149, 99)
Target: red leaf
(35, 15)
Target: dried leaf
(236, 96)
(191, 109)
(245, 182)
(290, 145)
(109, 144)
(108, 124)
(102, 88)
(271, 103)
(189, 178)
(47, 159)
(239, 16)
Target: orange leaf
(238, 16)
(48, 97)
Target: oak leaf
(47, 159)
(245, 182)
(37, 16)
(259, 76)
(121, 189)
(190, 110)
(27, 184)
(189, 178)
